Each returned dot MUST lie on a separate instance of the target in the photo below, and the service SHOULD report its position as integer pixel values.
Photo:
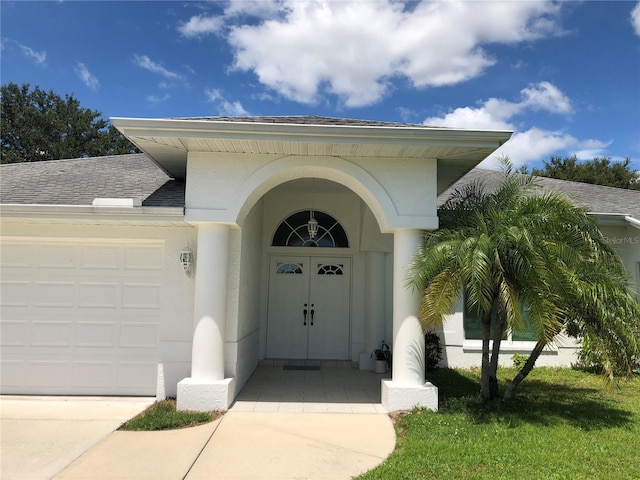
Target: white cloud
(38, 57)
(406, 114)
(545, 96)
(86, 76)
(353, 49)
(255, 8)
(145, 62)
(495, 113)
(224, 106)
(487, 117)
(590, 149)
(201, 25)
(530, 145)
(524, 146)
(156, 99)
(537, 144)
(635, 18)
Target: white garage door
(80, 316)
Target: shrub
(519, 360)
(432, 350)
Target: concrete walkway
(244, 445)
(42, 435)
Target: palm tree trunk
(485, 382)
(525, 370)
(495, 353)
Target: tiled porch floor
(333, 389)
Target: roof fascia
(634, 222)
(188, 128)
(611, 219)
(10, 212)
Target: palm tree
(516, 248)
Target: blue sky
(564, 76)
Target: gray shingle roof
(307, 120)
(78, 181)
(594, 198)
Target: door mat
(301, 367)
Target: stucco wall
(460, 353)
(240, 180)
(243, 308)
(626, 241)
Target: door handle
(312, 312)
(304, 313)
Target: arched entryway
(396, 170)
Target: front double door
(309, 308)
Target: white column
(408, 344)
(210, 302)
(207, 389)
(407, 388)
(374, 306)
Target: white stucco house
(235, 241)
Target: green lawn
(164, 416)
(562, 424)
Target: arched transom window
(294, 231)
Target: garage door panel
(50, 373)
(80, 317)
(16, 255)
(54, 294)
(13, 333)
(56, 256)
(96, 334)
(137, 374)
(14, 293)
(13, 372)
(101, 257)
(138, 335)
(140, 295)
(138, 257)
(92, 374)
(98, 295)
(52, 334)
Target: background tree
(599, 171)
(514, 250)
(36, 125)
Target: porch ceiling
(168, 141)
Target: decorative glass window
(293, 232)
(330, 269)
(289, 268)
(472, 320)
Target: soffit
(168, 141)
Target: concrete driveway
(40, 436)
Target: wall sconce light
(186, 259)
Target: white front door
(308, 314)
